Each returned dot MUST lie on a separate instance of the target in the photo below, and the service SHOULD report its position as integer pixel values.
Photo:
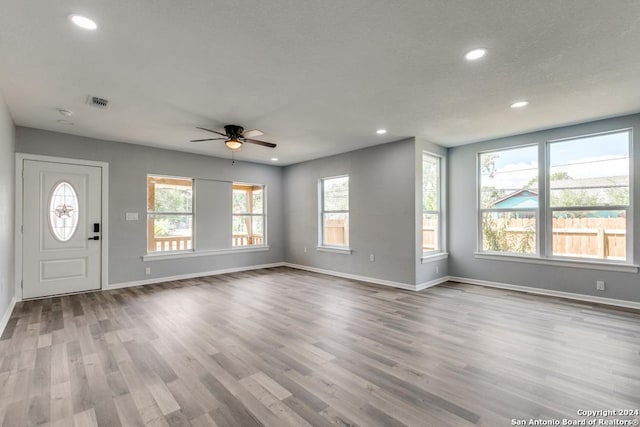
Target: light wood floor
(283, 347)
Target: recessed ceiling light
(381, 131)
(474, 54)
(519, 104)
(274, 159)
(83, 22)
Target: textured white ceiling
(318, 77)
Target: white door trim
(20, 158)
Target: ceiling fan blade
(214, 131)
(255, 141)
(206, 139)
(252, 133)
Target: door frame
(104, 235)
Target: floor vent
(96, 101)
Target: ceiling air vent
(96, 101)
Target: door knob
(94, 238)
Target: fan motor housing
(234, 131)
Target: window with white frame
(334, 211)
(509, 200)
(169, 214)
(431, 203)
(248, 214)
(589, 203)
(587, 207)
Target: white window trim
(431, 257)
(335, 249)
(321, 247)
(440, 212)
(162, 256)
(263, 214)
(560, 261)
(543, 215)
(192, 213)
(548, 209)
(481, 210)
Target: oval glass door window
(63, 211)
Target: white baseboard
(391, 283)
(7, 315)
(432, 283)
(549, 292)
(190, 276)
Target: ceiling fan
(235, 136)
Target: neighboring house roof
(599, 182)
(518, 199)
(529, 198)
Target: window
(431, 203)
(586, 206)
(334, 211)
(169, 214)
(589, 196)
(248, 215)
(509, 200)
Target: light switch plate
(131, 216)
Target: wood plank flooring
(283, 347)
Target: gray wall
(128, 166)
(7, 204)
(385, 212)
(426, 270)
(463, 220)
(381, 217)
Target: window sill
(212, 252)
(334, 249)
(430, 257)
(573, 263)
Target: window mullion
(544, 214)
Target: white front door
(61, 228)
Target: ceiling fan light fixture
(233, 144)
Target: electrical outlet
(372, 257)
(600, 285)
(147, 271)
(437, 269)
(305, 249)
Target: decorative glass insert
(63, 211)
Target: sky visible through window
(589, 157)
